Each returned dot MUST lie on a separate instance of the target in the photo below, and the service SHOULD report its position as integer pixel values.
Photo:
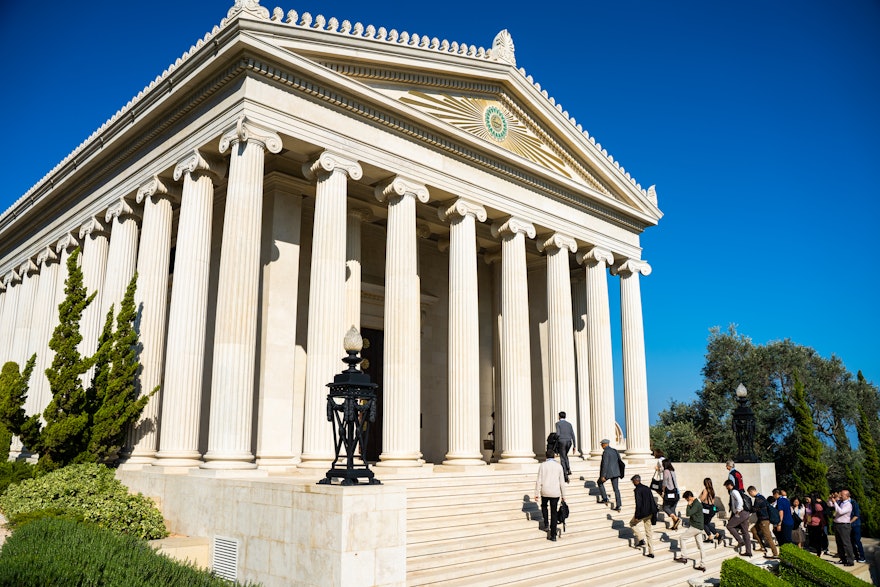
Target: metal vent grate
(225, 558)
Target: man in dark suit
(609, 468)
(642, 521)
(566, 442)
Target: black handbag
(657, 485)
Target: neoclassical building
(291, 176)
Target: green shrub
(12, 472)
(801, 568)
(735, 572)
(55, 551)
(23, 518)
(5, 442)
(90, 492)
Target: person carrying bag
(670, 493)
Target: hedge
(735, 572)
(56, 551)
(12, 472)
(89, 492)
(803, 569)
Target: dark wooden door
(372, 353)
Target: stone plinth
(289, 531)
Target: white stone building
(290, 176)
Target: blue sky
(758, 122)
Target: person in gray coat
(566, 442)
(609, 468)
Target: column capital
(196, 161)
(513, 226)
(47, 256)
(67, 242)
(398, 187)
(595, 256)
(27, 267)
(155, 187)
(361, 213)
(461, 208)
(246, 131)
(328, 162)
(423, 229)
(630, 267)
(11, 278)
(93, 226)
(122, 210)
(557, 241)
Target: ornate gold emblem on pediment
(500, 123)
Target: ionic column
(582, 353)
(326, 327)
(151, 299)
(599, 343)
(464, 334)
(24, 314)
(559, 333)
(279, 419)
(516, 371)
(121, 257)
(187, 313)
(94, 236)
(44, 308)
(2, 304)
(12, 281)
(635, 376)
(401, 387)
(235, 335)
(356, 218)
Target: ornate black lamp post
(744, 427)
(351, 407)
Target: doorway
(372, 353)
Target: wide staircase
(481, 528)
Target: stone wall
(289, 531)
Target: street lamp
(744, 427)
(351, 408)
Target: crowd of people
(754, 522)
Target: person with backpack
(609, 468)
(767, 516)
(735, 477)
(738, 524)
(817, 540)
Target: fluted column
(3, 297)
(356, 218)
(151, 299)
(122, 255)
(94, 235)
(582, 353)
(559, 319)
(326, 327)
(24, 314)
(599, 341)
(235, 335)
(7, 327)
(635, 375)
(279, 420)
(187, 313)
(516, 372)
(44, 308)
(401, 388)
(464, 334)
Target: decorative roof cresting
(503, 48)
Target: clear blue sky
(758, 121)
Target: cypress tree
(65, 434)
(810, 473)
(13, 393)
(116, 402)
(870, 503)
